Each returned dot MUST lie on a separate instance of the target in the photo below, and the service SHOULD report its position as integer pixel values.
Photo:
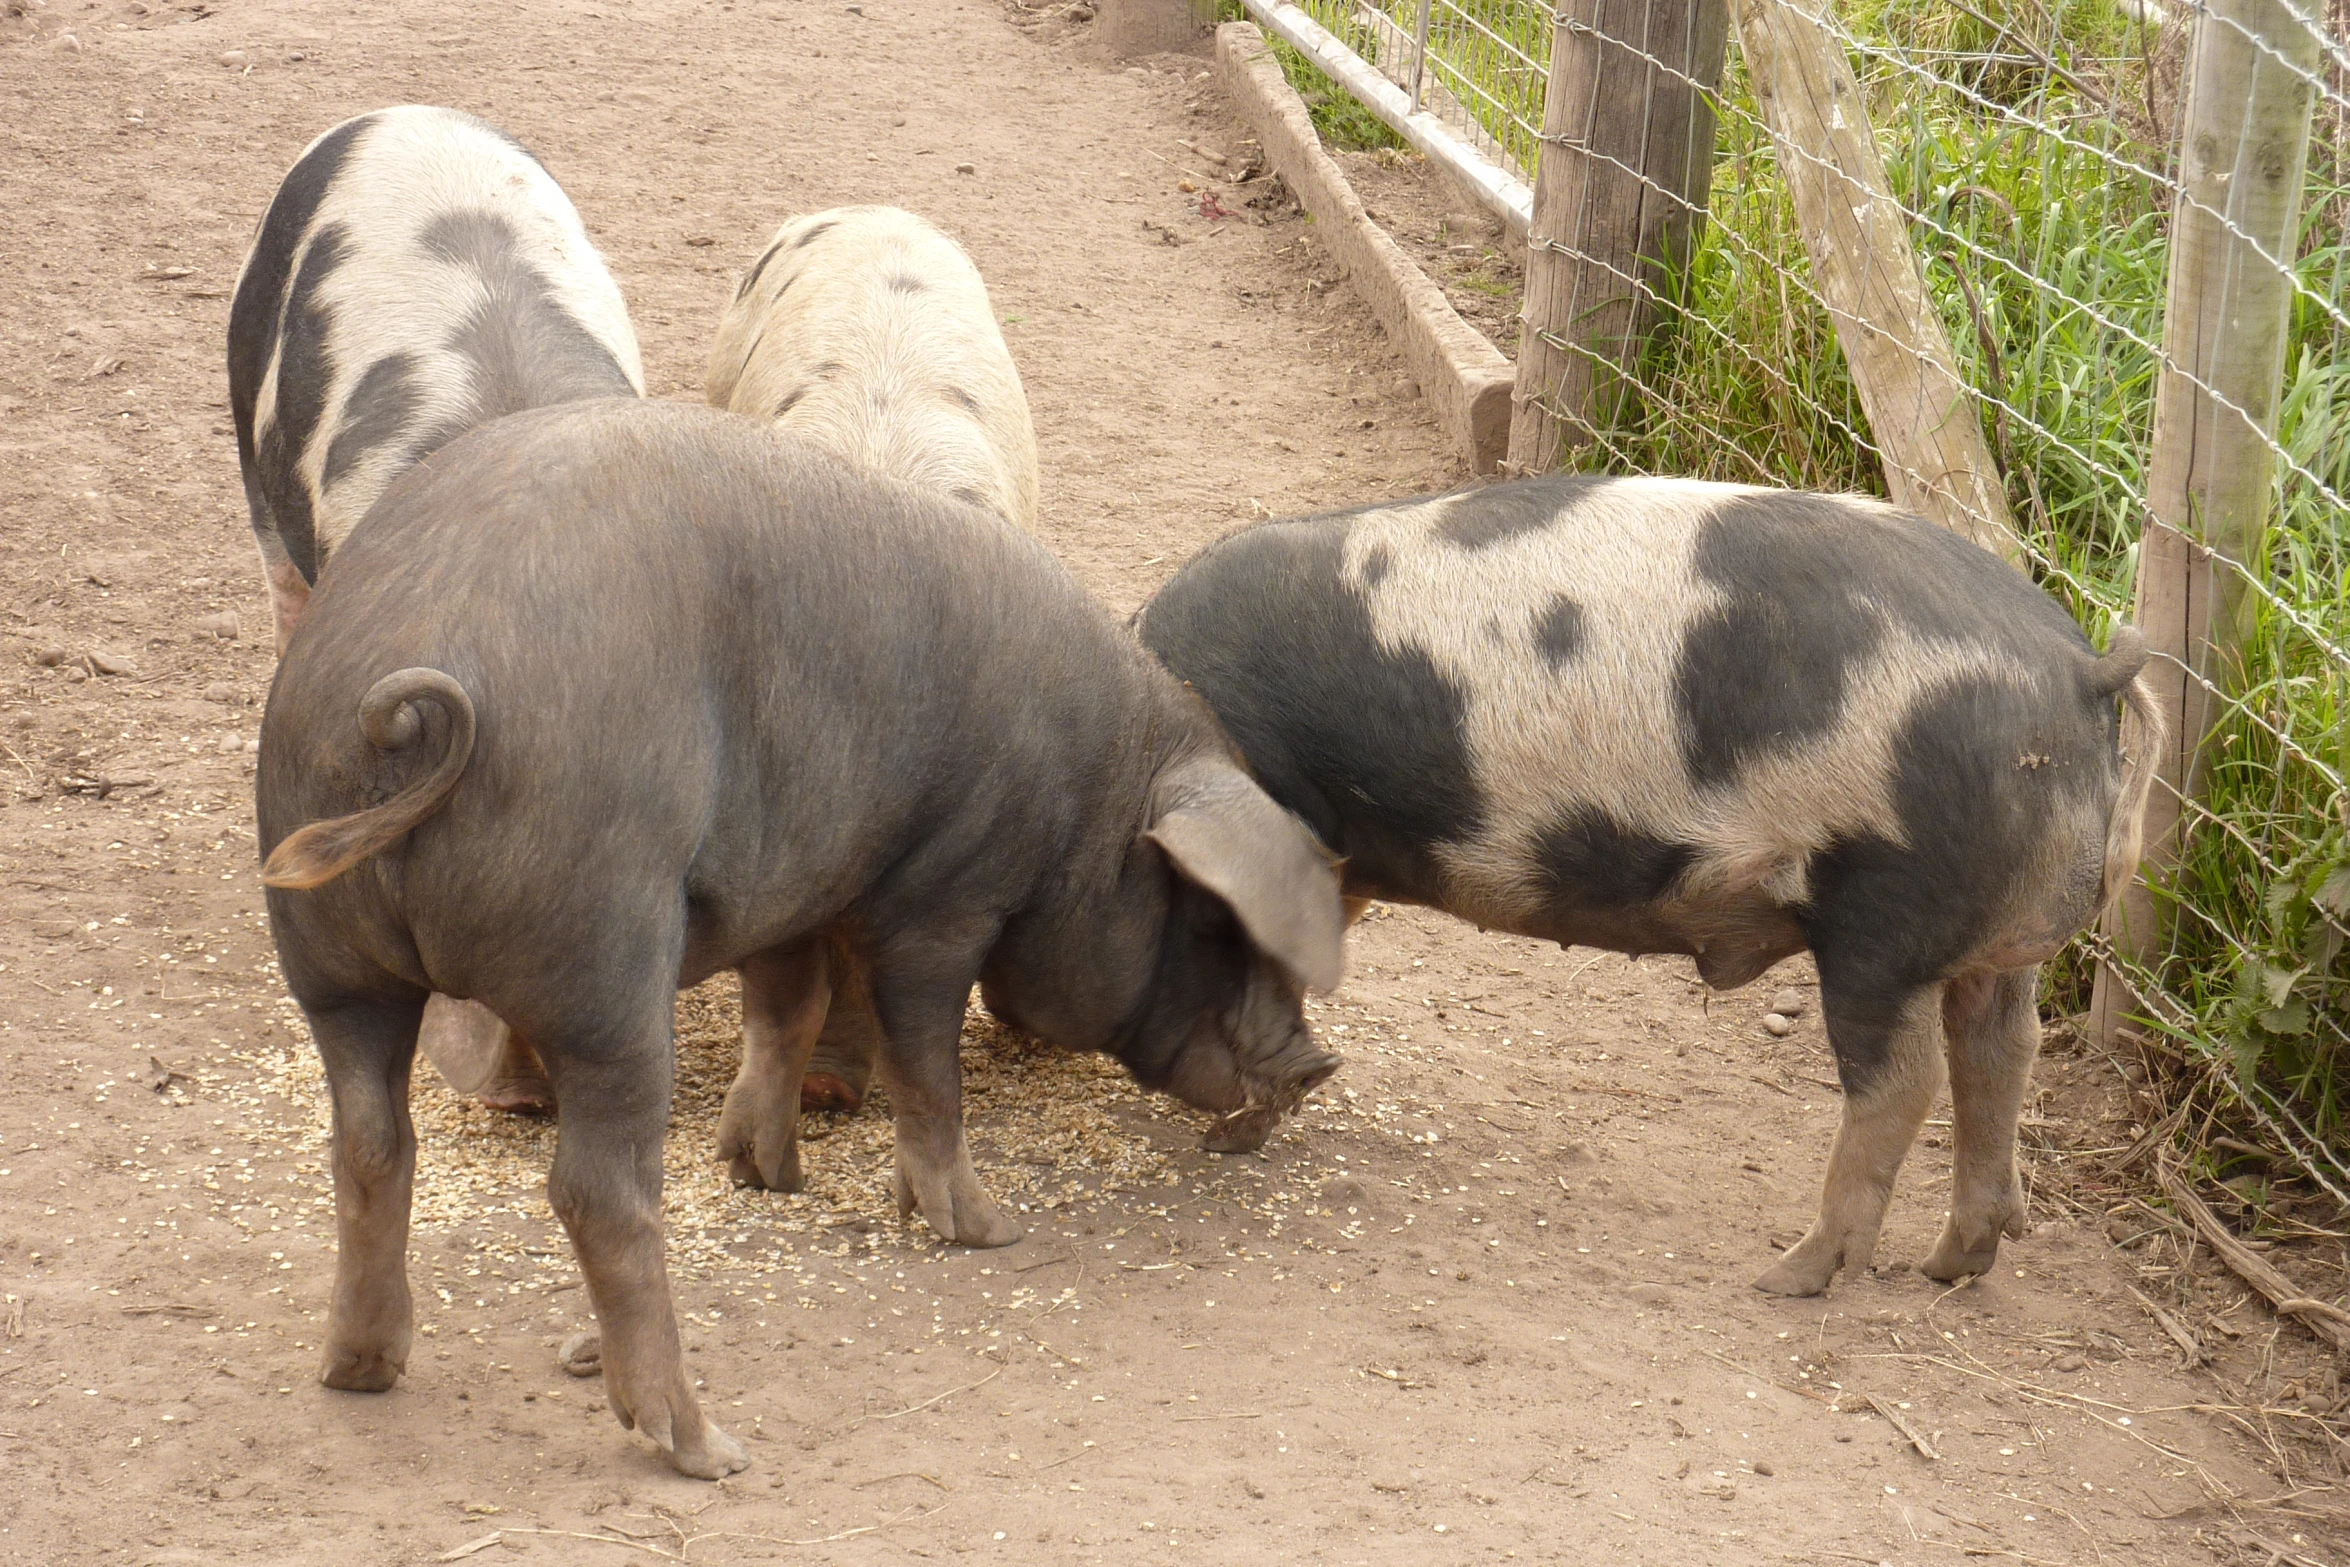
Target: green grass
(1338, 118)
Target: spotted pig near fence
(1663, 716)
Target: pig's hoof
(582, 1355)
(1805, 1270)
(958, 1212)
(759, 1134)
(529, 1094)
(779, 1175)
(1243, 1131)
(692, 1442)
(713, 1456)
(1973, 1246)
(356, 1370)
(1953, 1258)
(823, 1091)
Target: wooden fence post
(1619, 192)
(2243, 151)
(1925, 426)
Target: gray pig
(417, 273)
(603, 699)
(1663, 716)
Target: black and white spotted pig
(1663, 716)
(418, 273)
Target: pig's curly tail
(319, 852)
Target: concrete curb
(1464, 377)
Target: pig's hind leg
(1889, 1055)
(920, 996)
(367, 1048)
(1992, 1021)
(613, 1064)
(786, 992)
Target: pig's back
(1647, 682)
(715, 654)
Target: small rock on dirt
(2070, 1362)
(966, 168)
(1761, 1467)
(104, 661)
(222, 692)
(582, 1355)
(51, 657)
(1648, 1294)
(1778, 1025)
(1790, 1002)
(224, 625)
(232, 58)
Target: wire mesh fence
(2033, 151)
(1477, 65)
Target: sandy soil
(1486, 1299)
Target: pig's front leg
(920, 997)
(785, 996)
(606, 1188)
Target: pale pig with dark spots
(868, 333)
(1654, 715)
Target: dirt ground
(1486, 1299)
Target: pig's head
(1226, 912)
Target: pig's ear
(1227, 835)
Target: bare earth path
(1487, 1300)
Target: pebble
(67, 43)
(232, 57)
(221, 691)
(1777, 1025)
(224, 625)
(2071, 1362)
(1763, 1468)
(51, 657)
(103, 662)
(966, 168)
(1790, 1002)
(582, 1355)
(1648, 1294)
(231, 745)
